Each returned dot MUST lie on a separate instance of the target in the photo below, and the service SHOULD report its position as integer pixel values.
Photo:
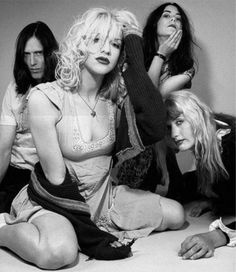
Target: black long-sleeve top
(147, 107)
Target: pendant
(93, 113)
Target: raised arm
(146, 99)
(172, 83)
(43, 116)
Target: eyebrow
(37, 51)
(169, 11)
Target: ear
(222, 132)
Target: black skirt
(14, 180)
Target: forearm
(7, 136)
(218, 238)
(173, 83)
(43, 129)
(145, 98)
(49, 153)
(3, 169)
(5, 157)
(154, 70)
(228, 231)
(54, 169)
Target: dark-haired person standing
(35, 63)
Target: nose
(174, 131)
(172, 19)
(106, 47)
(32, 59)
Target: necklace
(93, 112)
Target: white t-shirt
(15, 113)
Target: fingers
(175, 38)
(195, 247)
(116, 244)
(171, 44)
(195, 211)
(195, 252)
(178, 39)
(187, 244)
(199, 208)
(209, 253)
(131, 29)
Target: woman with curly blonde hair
(101, 110)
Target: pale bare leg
(173, 214)
(49, 241)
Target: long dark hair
(21, 72)
(182, 58)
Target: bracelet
(160, 56)
(190, 73)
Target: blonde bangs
(104, 26)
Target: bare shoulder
(40, 105)
(36, 97)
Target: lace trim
(104, 222)
(132, 172)
(79, 144)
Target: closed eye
(166, 15)
(178, 19)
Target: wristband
(218, 224)
(161, 56)
(190, 73)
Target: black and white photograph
(117, 135)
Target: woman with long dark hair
(168, 53)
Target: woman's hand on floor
(198, 246)
(200, 207)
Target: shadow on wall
(201, 82)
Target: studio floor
(156, 253)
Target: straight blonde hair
(206, 148)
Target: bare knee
(178, 216)
(173, 214)
(55, 256)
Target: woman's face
(169, 22)
(181, 133)
(103, 53)
(34, 58)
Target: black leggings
(14, 180)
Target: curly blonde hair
(206, 148)
(73, 50)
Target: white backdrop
(214, 23)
